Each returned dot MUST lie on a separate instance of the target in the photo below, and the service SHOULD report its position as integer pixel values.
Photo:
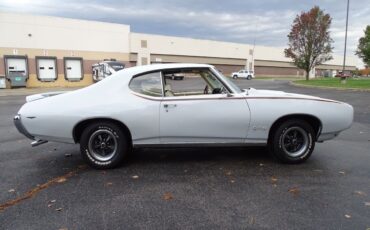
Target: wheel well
(79, 128)
(312, 120)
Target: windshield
(231, 84)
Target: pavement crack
(34, 191)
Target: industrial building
(60, 52)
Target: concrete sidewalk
(30, 91)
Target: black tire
(235, 76)
(109, 155)
(292, 142)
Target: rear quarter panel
(56, 117)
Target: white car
(243, 74)
(142, 108)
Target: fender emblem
(255, 128)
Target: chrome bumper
(18, 124)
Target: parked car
(343, 75)
(243, 74)
(138, 107)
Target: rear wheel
(293, 141)
(235, 76)
(103, 145)
(249, 77)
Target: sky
(265, 22)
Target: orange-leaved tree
(309, 40)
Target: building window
(144, 61)
(46, 68)
(144, 44)
(73, 68)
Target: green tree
(309, 40)
(363, 48)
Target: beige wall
(2, 67)
(226, 65)
(205, 60)
(43, 32)
(169, 45)
(267, 71)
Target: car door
(241, 73)
(245, 73)
(142, 114)
(188, 116)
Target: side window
(190, 82)
(148, 84)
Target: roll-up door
(46, 69)
(16, 65)
(73, 69)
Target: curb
(328, 87)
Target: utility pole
(254, 45)
(343, 79)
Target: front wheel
(235, 76)
(249, 77)
(103, 145)
(293, 141)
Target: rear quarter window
(147, 84)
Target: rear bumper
(18, 124)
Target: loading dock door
(73, 69)
(16, 66)
(46, 69)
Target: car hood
(251, 92)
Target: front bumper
(18, 124)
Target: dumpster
(17, 79)
(2, 82)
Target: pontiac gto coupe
(143, 106)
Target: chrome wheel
(102, 145)
(295, 141)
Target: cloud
(262, 22)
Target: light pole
(343, 78)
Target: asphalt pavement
(50, 187)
